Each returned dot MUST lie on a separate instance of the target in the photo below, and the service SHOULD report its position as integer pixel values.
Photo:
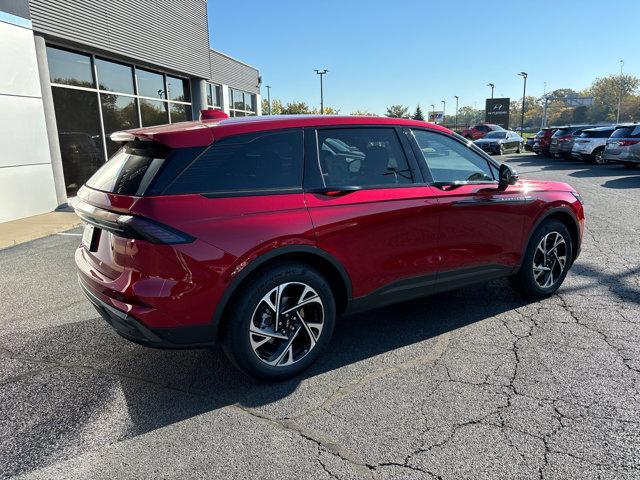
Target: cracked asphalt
(475, 383)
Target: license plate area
(90, 237)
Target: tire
(267, 357)
(598, 157)
(519, 149)
(501, 150)
(532, 281)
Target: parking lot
(475, 383)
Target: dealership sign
(497, 111)
(436, 117)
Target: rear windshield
(562, 131)
(130, 170)
(596, 134)
(626, 132)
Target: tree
(398, 111)
(362, 113)
(326, 111)
(605, 92)
(296, 108)
(418, 114)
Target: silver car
(589, 146)
(623, 145)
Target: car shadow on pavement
(86, 387)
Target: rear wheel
(280, 323)
(519, 149)
(546, 261)
(598, 156)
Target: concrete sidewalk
(30, 228)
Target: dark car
(249, 232)
(528, 144)
(479, 131)
(563, 139)
(623, 145)
(501, 142)
(542, 140)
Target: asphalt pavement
(475, 383)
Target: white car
(589, 146)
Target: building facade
(76, 71)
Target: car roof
(600, 129)
(628, 124)
(204, 132)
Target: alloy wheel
(598, 157)
(286, 324)
(549, 259)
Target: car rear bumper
(128, 327)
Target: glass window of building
(241, 104)
(88, 113)
(178, 89)
(150, 84)
(153, 112)
(114, 77)
(79, 134)
(119, 112)
(214, 95)
(69, 68)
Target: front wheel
(501, 150)
(280, 323)
(519, 148)
(546, 261)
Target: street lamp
(620, 93)
(444, 108)
(524, 75)
(269, 97)
(433, 112)
(492, 87)
(321, 73)
(455, 127)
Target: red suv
(479, 131)
(257, 232)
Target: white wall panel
(18, 61)
(25, 191)
(23, 133)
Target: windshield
(496, 135)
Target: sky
(411, 52)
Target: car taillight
(626, 143)
(131, 226)
(564, 138)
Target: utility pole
(524, 92)
(492, 87)
(620, 93)
(433, 112)
(444, 107)
(269, 98)
(321, 73)
(544, 112)
(455, 127)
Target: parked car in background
(249, 232)
(528, 144)
(501, 142)
(562, 140)
(479, 131)
(543, 140)
(589, 146)
(623, 146)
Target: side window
(252, 162)
(450, 161)
(363, 157)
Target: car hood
(544, 186)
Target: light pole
(620, 93)
(321, 73)
(455, 126)
(524, 92)
(492, 87)
(269, 98)
(544, 111)
(444, 108)
(433, 112)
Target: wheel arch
(564, 215)
(324, 262)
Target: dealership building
(75, 71)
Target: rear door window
(362, 157)
(264, 162)
(622, 132)
(450, 161)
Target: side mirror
(507, 176)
